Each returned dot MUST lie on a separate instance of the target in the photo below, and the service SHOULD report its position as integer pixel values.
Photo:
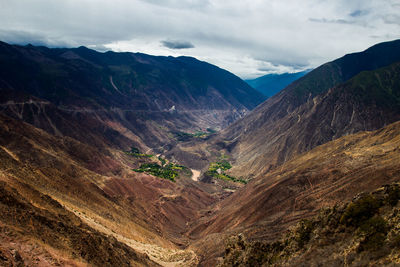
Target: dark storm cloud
(176, 44)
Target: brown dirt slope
(363, 232)
(40, 232)
(147, 213)
(322, 177)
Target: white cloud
(249, 37)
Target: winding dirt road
(196, 175)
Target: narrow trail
(114, 86)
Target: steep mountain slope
(363, 232)
(73, 77)
(322, 177)
(41, 184)
(342, 69)
(67, 119)
(316, 109)
(68, 167)
(43, 233)
(69, 189)
(271, 84)
(136, 97)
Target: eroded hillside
(363, 232)
(62, 189)
(121, 150)
(322, 177)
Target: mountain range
(271, 84)
(127, 159)
(357, 92)
(133, 98)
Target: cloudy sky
(249, 37)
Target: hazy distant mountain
(271, 84)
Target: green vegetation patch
(217, 170)
(374, 232)
(134, 152)
(167, 171)
(303, 232)
(163, 161)
(160, 171)
(393, 196)
(361, 210)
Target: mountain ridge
(125, 95)
(271, 84)
(267, 128)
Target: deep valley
(127, 159)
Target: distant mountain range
(59, 90)
(271, 84)
(112, 159)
